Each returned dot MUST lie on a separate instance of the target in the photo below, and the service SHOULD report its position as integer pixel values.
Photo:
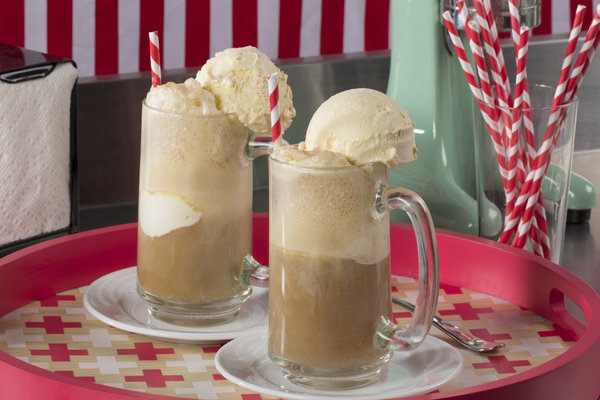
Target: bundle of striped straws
(521, 165)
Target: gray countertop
(581, 254)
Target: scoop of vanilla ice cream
(238, 79)
(365, 126)
(162, 212)
(182, 98)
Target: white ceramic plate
(113, 300)
(245, 362)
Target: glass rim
(571, 102)
(334, 168)
(144, 104)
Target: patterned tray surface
(57, 334)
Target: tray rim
(51, 257)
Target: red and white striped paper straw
(479, 57)
(491, 21)
(512, 150)
(525, 202)
(491, 52)
(586, 54)
(494, 124)
(155, 59)
(515, 22)
(491, 122)
(539, 230)
(528, 122)
(536, 241)
(462, 55)
(595, 46)
(497, 74)
(273, 80)
(472, 31)
(464, 17)
(495, 41)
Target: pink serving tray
(465, 261)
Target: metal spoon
(471, 342)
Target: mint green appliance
(427, 79)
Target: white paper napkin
(34, 155)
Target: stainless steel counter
(581, 254)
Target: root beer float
(195, 195)
(329, 294)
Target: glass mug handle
(252, 272)
(389, 336)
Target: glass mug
(330, 313)
(195, 216)
(556, 182)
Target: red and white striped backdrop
(111, 36)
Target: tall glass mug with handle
(195, 215)
(330, 319)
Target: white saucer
(113, 300)
(244, 361)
